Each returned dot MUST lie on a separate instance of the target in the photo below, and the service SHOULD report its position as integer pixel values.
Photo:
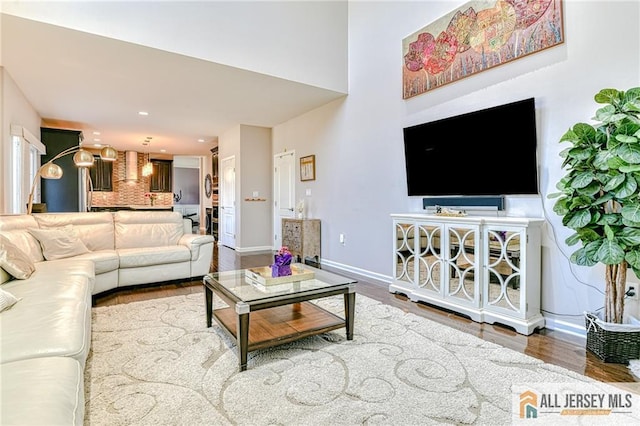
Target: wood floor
(549, 346)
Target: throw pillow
(7, 300)
(59, 243)
(15, 261)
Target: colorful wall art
(476, 37)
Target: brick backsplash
(129, 193)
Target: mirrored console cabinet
(487, 268)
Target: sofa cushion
(14, 260)
(49, 283)
(7, 300)
(42, 391)
(59, 243)
(95, 229)
(149, 256)
(104, 260)
(14, 228)
(62, 328)
(151, 229)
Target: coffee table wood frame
(279, 319)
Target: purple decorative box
(281, 263)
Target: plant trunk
(615, 280)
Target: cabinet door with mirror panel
(431, 262)
(463, 265)
(503, 271)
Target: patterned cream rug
(156, 363)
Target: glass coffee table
(261, 316)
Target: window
(16, 175)
(26, 150)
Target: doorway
(228, 202)
(284, 185)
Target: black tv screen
(486, 152)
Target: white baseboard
(368, 275)
(567, 327)
(253, 249)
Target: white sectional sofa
(45, 337)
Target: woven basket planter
(615, 343)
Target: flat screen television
(482, 153)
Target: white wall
(16, 110)
(359, 148)
(255, 156)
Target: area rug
(156, 363)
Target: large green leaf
(608, 232)
(560, 207)
(630, 168)
(580, 219)
(631, 211)
(591, 189)
(632, 95)
(579, 202)
(610, 252)
(609, 219)
(627, 189)
(629, 153)
(608, 114)
(580, 257)
(582, 179)
(588, 235)
(630, 223)
(608, 96)
(608, 196)
(629, 236)
(614, 181)
(584, 133)
(615, 162)
(569, 136)
(633, 259)
(573, 239)
(580, 153)
(626, 139)
(603, 158)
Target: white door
(228, 202)
(284, 184)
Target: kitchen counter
(116, 208)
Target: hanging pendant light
(108, 153)
(83, 158)
(147, 169)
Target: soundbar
(462, 202)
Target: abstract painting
(476, 37)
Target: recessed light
(96, 133)
(143, 113)
(200, 140)
(97, 145)
(163, 150)
(96, 139)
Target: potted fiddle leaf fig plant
(599, 196)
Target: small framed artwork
(308, 167)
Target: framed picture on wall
(308, 167)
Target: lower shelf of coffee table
(281, 324)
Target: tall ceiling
(83, 81)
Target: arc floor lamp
(81, 158)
